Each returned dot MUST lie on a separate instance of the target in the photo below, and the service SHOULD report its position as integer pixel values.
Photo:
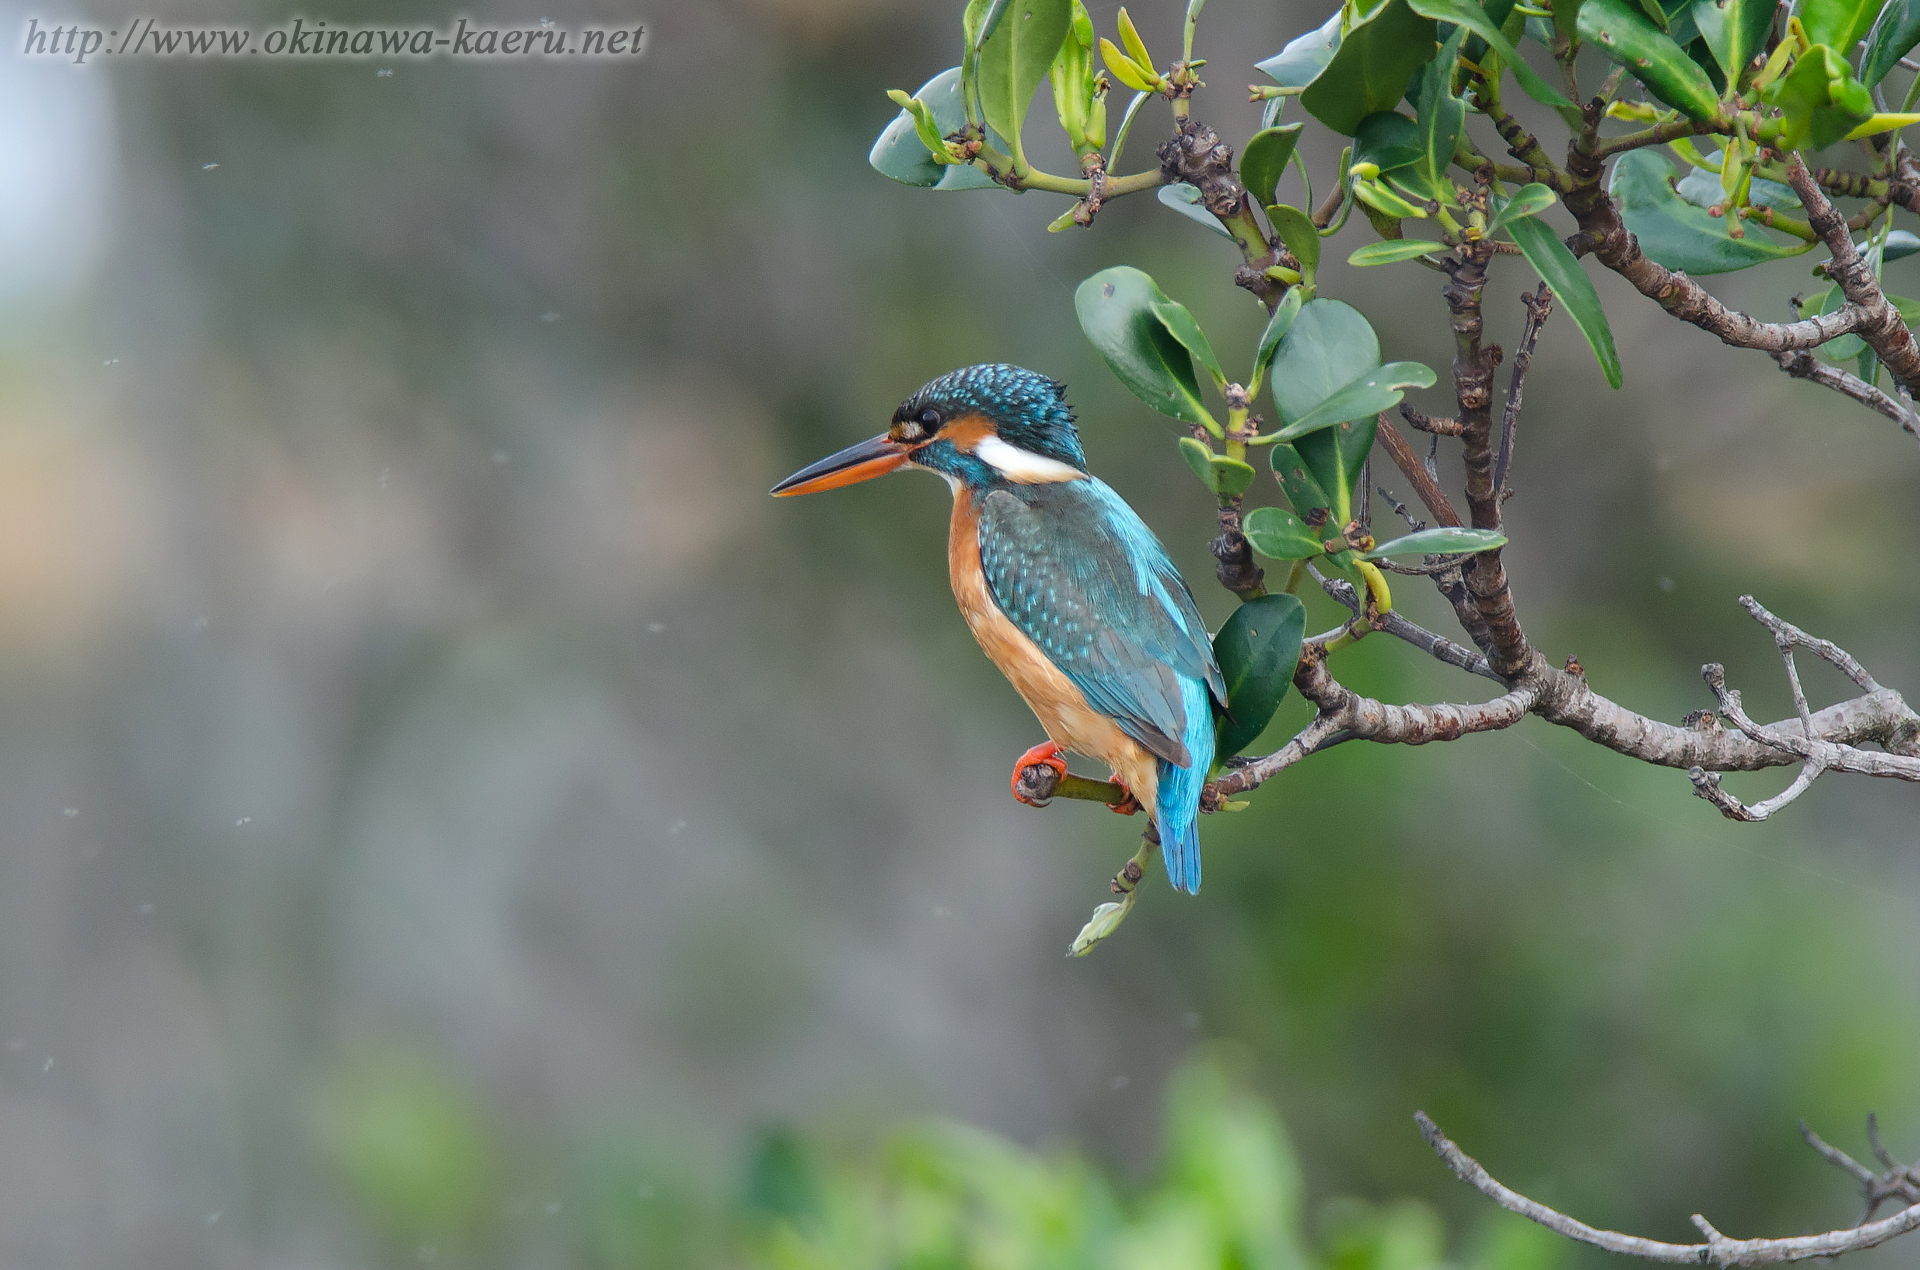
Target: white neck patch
(1024, 467)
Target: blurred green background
(453, 816)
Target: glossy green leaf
(1281, 535)
(1304, 494)
(901, 155)
(1304, 57)
(1893, 36)
(1439, 542)
(1277, 327)
(1625, 34)
(1328, 347)
(1226, 477)
(1377, 390)
(1297, 231)
(1179, 322)
(1442, 117)
(1265, 160)
(1118, 310)
(1528, 200)
(1015, 56)
(1467, 14)
(1679, 235)
(1258, 649)
(1335, 457)
(1735, 30)
(1231, 477)
(1372, 67)
(1838, 24)
(1388, 140)
(1820, 101)
(1571, 286)
(1393, 251)
(1185, 199)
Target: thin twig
(1804, 365)
(1539, 305)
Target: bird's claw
(1044, 755)
(1128, 804)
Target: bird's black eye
(930, 419)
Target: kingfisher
(1065, 588)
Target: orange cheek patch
(966, 432)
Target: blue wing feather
(1078, 572)
(1082, 576)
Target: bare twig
(1804, 365)
(1718, 1250)
(1539, 304)
(1421, 422)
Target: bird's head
(977, 427)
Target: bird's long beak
(852, 465)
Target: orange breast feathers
(1061, 708)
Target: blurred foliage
(1228, 1196)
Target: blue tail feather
(1177, 806)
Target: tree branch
(1605, 235)
(1804, 365)
(1718, 1250)
(1880, 323)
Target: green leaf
(1838, 24)
(1624, 34)
(1372, 67)
(1735, 30)
(1393, 251)
(1277, 326)
(1305, 57)
(1118, 311)
(1185, 199)
(1892, 38)
(1820, 101)
(1439, 542)
(1335, 457)
(1015, 57)
(1258, 649)
(1281, 535)
(1675, 233)
(1442, 117)
(1556, 265)
(1528, 200)
(1265, 160)
(1471, 16)
(903, 156)
(1297, 231)
(1226, 477)
(1899, 245)
(1388, 140)
(1377, 390)
(1845, 348)
(1176, 318)
(1328, 347)
(1303, 492)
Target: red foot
(1127, 804)
(1045, 755)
